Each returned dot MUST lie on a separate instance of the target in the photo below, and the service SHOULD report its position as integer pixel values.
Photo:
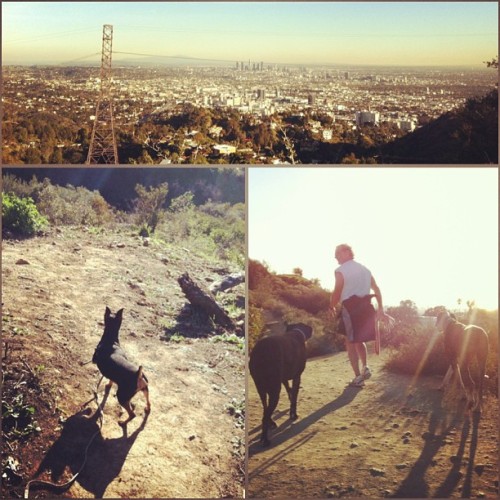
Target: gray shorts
(346, 319)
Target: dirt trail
(55, 289)
(393, 438)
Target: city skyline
(429, 235)
(337, 33)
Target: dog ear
(107, 313)
(119, 314)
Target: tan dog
(463, 343)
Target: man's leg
(362, 353)
(352, 352)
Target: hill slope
(55, 289)
(466, 135)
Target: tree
(33, 156)
(493, 63)
(148, 206)
(56, 157)
(434, 311)
(406, 312)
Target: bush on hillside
(149, 206)
(418, 350)
(255, 326)
(62, 205)
(218, 230)
(20, 216)
(21, 188)
(73, 206)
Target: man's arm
(378, 296)
(378, 293)
(337, 291)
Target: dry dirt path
(55, 289)
(393, 438)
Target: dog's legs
(288, 390)
(142, 385)
(482, 356)
(446, 379)
(459, 374)
(267, 421)
(148, 403)
(131, 415)
(293, 398)
(473, 396)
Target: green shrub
(212, 230)
(73, 206)
(182, 203)
(20, 216)
(420, 350)
(256, 325)
(149, 205)
(23, 189)
(422, 353)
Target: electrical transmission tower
(102, 147)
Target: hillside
(466, 135)
(55, 289)
(275, 299)
(117, 185)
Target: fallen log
(203, 299)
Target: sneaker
(366, 373)
(357, 381)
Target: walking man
(353, 283)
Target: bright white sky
(427, 234)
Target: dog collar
(297, 328)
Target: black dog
(274, 361)
(463, 343)
(114, 365)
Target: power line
(49, 36)
(175, 57)
(65, 63)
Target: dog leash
(377, 337)
(67, 484)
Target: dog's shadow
(104, 457)
(440, 424)
(288, 429)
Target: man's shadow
(81, 442)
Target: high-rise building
(367, 117)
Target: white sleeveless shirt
(357, 279)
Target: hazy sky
(427, 234)
(387, 33)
